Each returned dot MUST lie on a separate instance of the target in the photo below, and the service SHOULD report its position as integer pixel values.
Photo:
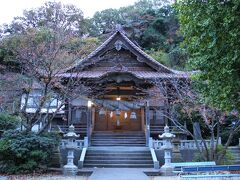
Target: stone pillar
(69, 115)
(167, 169)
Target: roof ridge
(119, 29)
(145, 54)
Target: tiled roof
(138, 74)
(160, 71)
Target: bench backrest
(178, 166)
(211, 168)
(206, 163)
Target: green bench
(208, 169)
(178, 166)
(193, 177)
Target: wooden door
(109, 121)
(101, 122)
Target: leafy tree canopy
(211, 37)
(51, 15)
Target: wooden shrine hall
(122, 104)
(122, 95)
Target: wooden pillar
(89, 119)
(142, 120)
(93, 118)
(69, 115)
(147, 116)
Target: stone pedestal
(70, 169)
(167, 170)
(176, 154)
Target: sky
(13, 8)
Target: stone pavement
(3, 178)
(118, 174)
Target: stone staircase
(118, 150)
(118, 157)
(136, 139)
(235, 150)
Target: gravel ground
(60, 177)
(46, 177)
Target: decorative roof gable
(118, 41)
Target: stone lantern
(118, 113)
(70, 168)
(167, 137)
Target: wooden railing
(184, 144)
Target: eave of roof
(138, 74)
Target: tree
(53, 15)
(211, 38)
(42, 53)
(184, 104)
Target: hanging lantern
(125, 115)
(111, 114)
(118, 112)
(89, 104)
(133, 115)
(102, 112)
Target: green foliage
(151, 38)
(52, 15)
(228, 158)
(8, 122)
(228, 123)
(23, 153)
(160, 56)
(211, 38)
(153, 24)
(178, 58)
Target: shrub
(25, 153)
(228, 159)
(8, 122)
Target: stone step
(119, 144)
(117, 138)
(107, 161)
(117, 141)
(118, 132)
(130, 145)
(118, 135)
(113, 137)
(118, 157)
(119, 149)
(118, 165)
(104, 152)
